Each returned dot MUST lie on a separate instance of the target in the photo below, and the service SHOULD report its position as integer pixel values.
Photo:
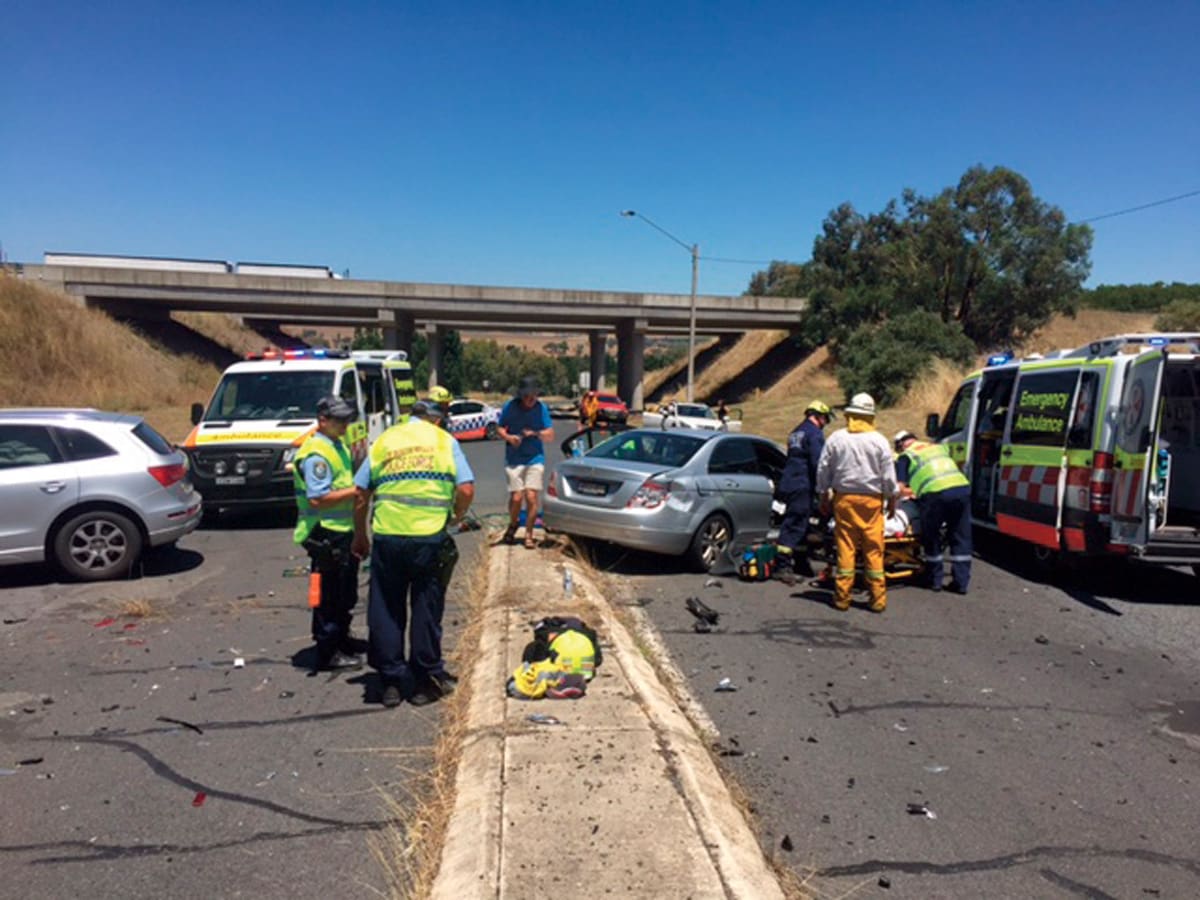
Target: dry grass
(1063, 332)
(748, 350)
(61, 354)
(652, 381)
(143, 608)
(409, 849)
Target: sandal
(510, 535)
(530, 543)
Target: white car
(473, 420)
(89, 491)
(689, 415)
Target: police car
(1093, 451)
(473, 420)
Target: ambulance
(244, 441)
(1089, 451)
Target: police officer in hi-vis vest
(414, 482)
(943, 496)
(324, 480)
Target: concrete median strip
(622, 797)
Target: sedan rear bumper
(665, 531)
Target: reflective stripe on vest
(932, 470)
(413, 476)
(339, 516)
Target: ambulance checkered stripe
(1035, 484)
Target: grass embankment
(55, 352)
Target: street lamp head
(629, 213)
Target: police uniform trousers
(858, 526)
(406, 577)
(794, 527)
(950, 508)
(339, 591)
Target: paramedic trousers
(858, 525)
(951, 508)
(339, 591)
(794, 527)
(407, 593)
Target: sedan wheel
(97, 545)
(710, 543)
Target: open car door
(1136, 429)
(1033, 457)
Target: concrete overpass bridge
(399, 308)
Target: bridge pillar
(397, 328)
(434, 334)
(596, 345)
(631, 352)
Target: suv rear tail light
(1101, 485)
(552, 485)
(650, 495)
(168, 475)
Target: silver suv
(89, 490)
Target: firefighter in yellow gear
(856, 471)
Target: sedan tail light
(552, 485)
(650, 495)
(170, 474)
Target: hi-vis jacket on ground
(1094, 450)
(242, 449)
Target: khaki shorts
(524, 478)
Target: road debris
(543, 719)
(286, 695)
(920, 809)
(725, 684)
(4, 772)
(900, 726)
(1041, 639)
(936, 769)
(199, 799)
(187, 725)
(786, 844)
(884, 882)
(701, 611)
(701, 627)
(239, 662)
(714, 582)
(14, 621)
(105, 622)
(32, 761)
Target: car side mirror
(197, 413)
(932, 424)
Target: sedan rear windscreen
(660, 448)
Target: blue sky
(496, 143)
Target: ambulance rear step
(1173, 546)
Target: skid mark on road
(922, 867)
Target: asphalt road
(275, 785)
(1053, 729)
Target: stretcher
(902, 555)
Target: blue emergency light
(1000, 359)
(1158, 342)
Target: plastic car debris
(701, 611)
(199, 799)
(714, 582)
(187, 725)
(920, 809)
(105, 622)
(726, 684)
(239, 662)
(543, 719)
(786, 844)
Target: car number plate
(592, 488)
(231, 479)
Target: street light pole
(694, 250)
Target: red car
(612, 408)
